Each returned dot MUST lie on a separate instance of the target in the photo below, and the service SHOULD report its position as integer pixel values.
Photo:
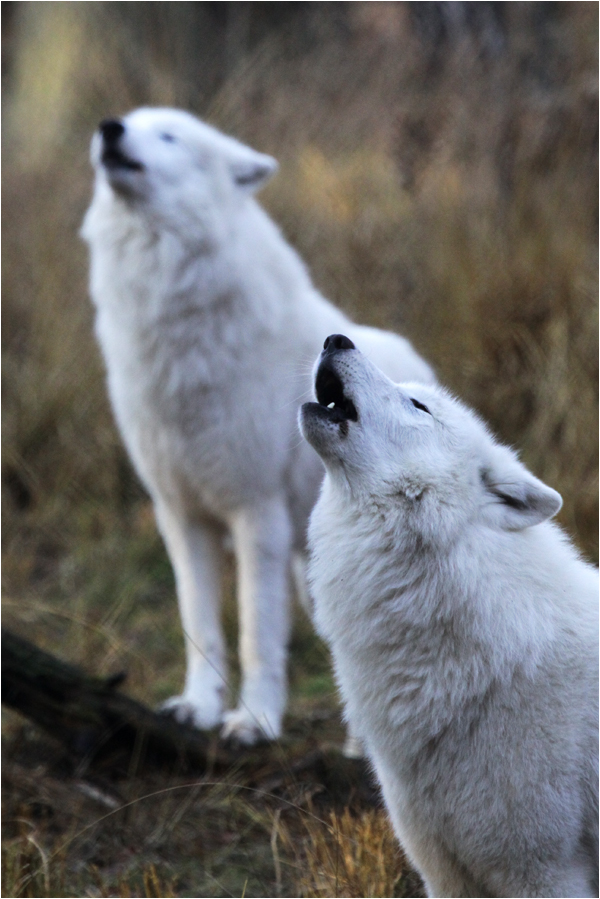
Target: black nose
(111, 130)
(338, 342)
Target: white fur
(209, 323)
(463, 626)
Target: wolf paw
(202, 715)
(353, 747)
(241, 727)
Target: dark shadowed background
(439, 176)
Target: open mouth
(113, 158)
(330, 396)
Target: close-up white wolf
(464, 632)
(209, 323)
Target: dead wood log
(90, 716)
(101, 726)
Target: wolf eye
(419, 405)
(167, 137)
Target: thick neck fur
(166, 302)
(413, 604)
(175, 268)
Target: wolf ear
(514, 498)
(252, 170)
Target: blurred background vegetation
(439, 176)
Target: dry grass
(351, 855)
(451, 197)
(457, 205)
(28, 871)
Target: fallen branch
(99, 725)
(89, 715)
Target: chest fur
(193, 383)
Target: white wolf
(463, 626)
(209, 324)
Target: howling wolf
(209, 323)
(464, 632)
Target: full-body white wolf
(464, 633)
(209, 323)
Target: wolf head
(414, 450)
(162, 160)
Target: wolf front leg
(196, 553)
(262, 536)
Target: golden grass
(351, 854)
(458, 207)
(28, 871)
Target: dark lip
(330, 389)
(112, 158)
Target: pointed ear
(251, 170)
(514, 499)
